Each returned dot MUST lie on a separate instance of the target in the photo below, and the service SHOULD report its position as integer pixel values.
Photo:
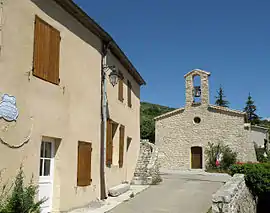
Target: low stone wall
(147, 168)
(234, 197)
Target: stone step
(119, 189)
(141, 181)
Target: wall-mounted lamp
(113, 76)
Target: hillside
(148, 113)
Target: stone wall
(234, 197)
(147, 168)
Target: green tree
(250, 109)
(220, 98)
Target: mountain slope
(148, 113)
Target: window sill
(46, 80)
(122, 101)
(114, 166)
(85, 185)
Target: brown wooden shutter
(53, 70)
(84, 164)
(128, 142)
(41, 48)
(121, 90)
(109, 144)
(46, 51)
(129, 94)
(121, 145)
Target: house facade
(183, 134)
(51, 55)
(260, 136)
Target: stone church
(183, 134)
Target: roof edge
(74, 10)
(198, 70)
(260, 127)
(168, 114)
(225, 109)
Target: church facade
(183, 134)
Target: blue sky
(165, 39)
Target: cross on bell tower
(197, 92)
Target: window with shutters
(46, 52)
(121, 88)
(84, 164)
(129, 94)
(121, 145)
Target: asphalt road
(178, 193)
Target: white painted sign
(8, 108)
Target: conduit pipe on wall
(1, 24)
(103, 193)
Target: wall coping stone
(227, 192)
(234, 197)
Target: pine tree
(250, 109)
(220, 99)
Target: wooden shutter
(46, 51)
(129, 94)
(121, 146)
(121, 90)
(128, 142)
(109, 144)
(53, 71)
(84, 164)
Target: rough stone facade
(234, 197)
(176, 131)
(147, 169)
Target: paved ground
(111, 202)
(178, 193)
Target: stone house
(51, 64)
(260, 136)
(183, 134)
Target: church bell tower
(197, 92)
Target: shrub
(211, 153)
(228, 156)
(5, 189)
(22, 198)
(257, 177)
(209, 210)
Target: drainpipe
(1, 25)
(103, 194)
